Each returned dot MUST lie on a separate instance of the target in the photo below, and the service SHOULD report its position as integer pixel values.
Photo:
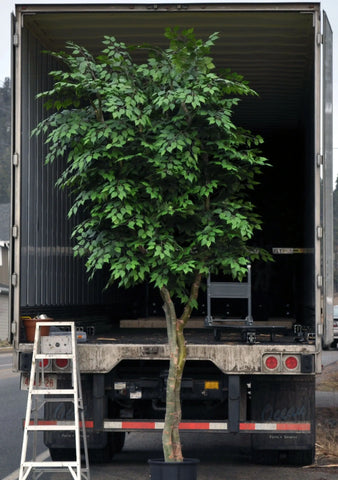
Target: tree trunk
(171, 442)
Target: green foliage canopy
(158, 169)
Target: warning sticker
(290, 250)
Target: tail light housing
(44, 363)
(61, 363)
(271, 363)
(281, 363)
(291, 363)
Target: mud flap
(284, 401)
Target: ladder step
(50, 428)
(54, 355)
(58, 391)
(59, 399)
(50, 464)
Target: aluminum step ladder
(45, 350)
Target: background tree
(159, 174)
(5, 140)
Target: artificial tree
(159, 174)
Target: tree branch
(193, 296)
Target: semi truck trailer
(241, 378)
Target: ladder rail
(32, 379)
(76, 408)
(83, 422)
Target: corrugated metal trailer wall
(52, 275)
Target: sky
(330, 6)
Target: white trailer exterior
(285, 51)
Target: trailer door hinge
(14, 279)
(320, 39)
(15, 159)
(320, 160)
(16, 40)
(319, 281)
(319, 232)
(15, 231)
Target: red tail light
(62, 362)
(291, 362)
(43, 363)
(271, 362)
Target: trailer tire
(285, 457)
(104, 454)
(101, 455)
(118, 439)
(115, 443)
(96, 455)
(59, 454)
(265, 457)
(301, 457)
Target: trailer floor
(152, 330)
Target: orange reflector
(211, 385)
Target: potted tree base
(161, 470)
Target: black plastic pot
(161, 470)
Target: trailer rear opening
(230, 384)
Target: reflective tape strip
(275, 427)
(303, 427)
(107, 424)
(210, 426)
(218, 426)
(57, 423)
(265, 426)
(194, 426)
(140, 425)
(133, 425)
(247, 426)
